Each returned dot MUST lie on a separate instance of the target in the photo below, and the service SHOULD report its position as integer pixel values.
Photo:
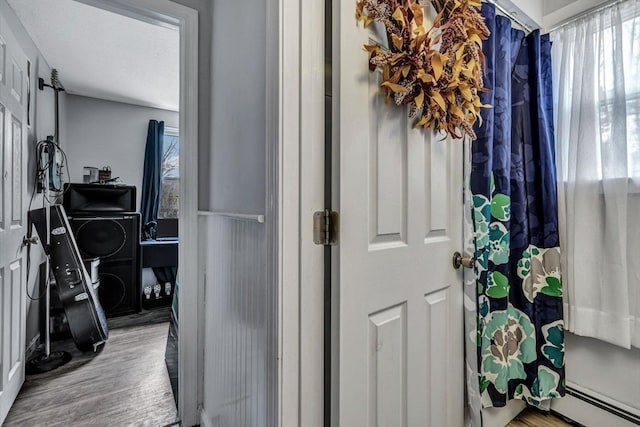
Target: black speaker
(99, 198)
(115, 239)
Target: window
(169, 192)
(612, 91)
(603, 85)
(597, 80)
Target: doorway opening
(127, 67)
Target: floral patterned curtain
(513, 183)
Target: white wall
(106, 133)
(42, 124)
(240, 326)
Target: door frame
(190, 304)
(301, 71)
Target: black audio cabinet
(98, 199)
(115, 239)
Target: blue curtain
(152, 177)
(513, 183)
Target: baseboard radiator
(624, 416)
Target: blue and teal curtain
(152, 175)
(515, 216)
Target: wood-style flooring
(125, 384)
(531, 418)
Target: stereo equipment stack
(106, 226)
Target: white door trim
(166, 12)
(301, 172)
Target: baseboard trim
(33, 346)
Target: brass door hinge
(325, 228)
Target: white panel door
(400, 355)
(13, 196)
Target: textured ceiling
(105, 55)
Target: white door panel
(13, 188)
(15, 171)
(400, 356)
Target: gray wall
(238, 107)
(241, 299)
(232, 116)
(42, 124)
(106, 133)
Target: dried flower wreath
(438, 72)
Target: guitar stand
(43, 363)
(49, 360)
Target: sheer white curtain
(597, 93)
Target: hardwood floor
(531, 418)
(124, 384)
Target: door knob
(460, 261)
